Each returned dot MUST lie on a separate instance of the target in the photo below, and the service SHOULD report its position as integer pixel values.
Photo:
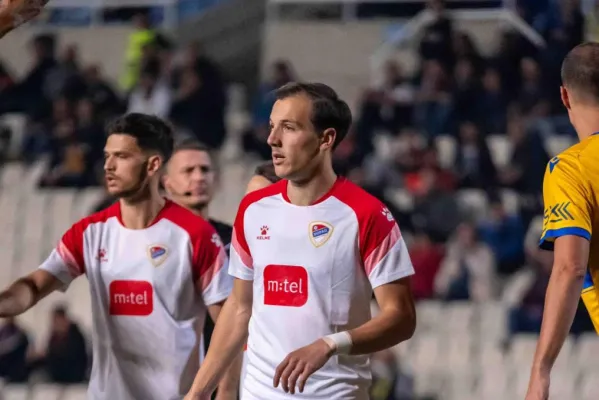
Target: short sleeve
(210, 266)
(66, 262)
(567, 208)
(241, 265)
(382, 249)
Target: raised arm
(25, 292)
(228, 339)
(16, 12)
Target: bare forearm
(385, 330)
(230, 383)
(18, 298)
(561, 302)
(228, 339)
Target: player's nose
(274, 138)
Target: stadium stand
(449, 185)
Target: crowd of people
(457, 91)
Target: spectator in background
(28, 95)
(151, 95)
(14, 344)
(524, 173)
(90, 132)
(65, 359)
(466, 92)
(100, 93)
(143, 36)
(426, 257)
(465, 49)
(533, 93)
(473, 163)
(432, 109)
(254, 139)
(468, 269)
(387, 106)
(200, 98)
(492, 103)
(435, 210)
(504, 234)
(436, 42)
(65, 80)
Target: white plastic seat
(458, 317)
(556, 144)
(75, 392)
(474, 202)
(16, 123)
(492, 320)
(446, 148)
(401, 198)
(15, 392)
(428, 354)
(429, 316)
(495, 383)
(588, 386)
(511, 201)
(522, 350)
(46, 392)
(500, 148)
(586, 351)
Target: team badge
(157, 254)
(320, 233)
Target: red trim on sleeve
(238, 240)
(71, 246)
(378, 231)
(207, 251)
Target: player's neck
(200, 211)
(588, 123)
(304, 193)
(141, 213)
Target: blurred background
(457, 113)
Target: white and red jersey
(313, 270)
(149, 292)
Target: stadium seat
(495, 383)
(511, 201)
(446, 147)
(460, 385)
(16, 392)
(42, 391)
(16, 123)
(459, 352)
(588, 386)
(458, 318)
(401, 198)
(428, 352)
(492, 321)
(473, 202)
(522, 350)
(383, 146)
(429, 316)
(11, 176)
(556, 144)
(586, 351)
(500, 148)
(75, 392)
(428, 384)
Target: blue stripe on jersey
(588, 281)
(546, 242)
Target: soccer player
(570, 191)
(263, 176)
(153, 267)
(190, 180)
(307, 252)
(16, 12)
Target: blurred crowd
(457, 92)
(67, 103)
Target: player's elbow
(572, 268)
(405, 325)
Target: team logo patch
(320, 233)
(157, 254)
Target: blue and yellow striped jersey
(570, 190)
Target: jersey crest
(157, 254)
(320, 233)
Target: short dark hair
(151, 132)
(194, 145)
(267, 170)
(328, 110)
(580, 71)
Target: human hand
(21, 11)
(300, 364)
(538, 387)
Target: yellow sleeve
(567, 208)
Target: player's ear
(328, 138)
(565, 97)
(154, 164)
